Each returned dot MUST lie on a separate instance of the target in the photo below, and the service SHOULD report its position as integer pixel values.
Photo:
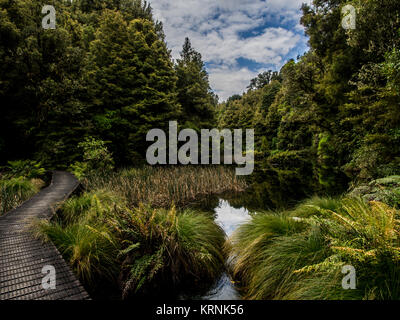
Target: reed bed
(161, 187)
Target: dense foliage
(333, 116)
(84, 95)
(103, 74)
(19, 181)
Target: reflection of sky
(223, 290)
(230, 218)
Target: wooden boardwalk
(22, 257)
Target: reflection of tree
(206, 203)
(267, 195)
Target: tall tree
(42, 114)
(263, 79)
(194, 92)
(91, 76)
(133, 83)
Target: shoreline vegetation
(164, 186)
(136, 248)
(123, 232)
(299, 254)
(83, 96)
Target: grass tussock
(83, 237)
(90, 249)
(14, 191)
(142, 249)
(316, 206)
(164, 246)
(95, 204)
(280, 257)
(160, 187)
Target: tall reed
(160, 187)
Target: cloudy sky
(238, 39)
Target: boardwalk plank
(22, 257)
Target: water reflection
(229, 218)
(224, 289)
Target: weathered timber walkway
(22, 257)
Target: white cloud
(215, 29)
(227, 81)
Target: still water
(229, 218)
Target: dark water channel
(229, 218)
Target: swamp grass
(299, 254)
(14, 191)
(126, 230)
(164, 186)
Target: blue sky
(238, 39)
